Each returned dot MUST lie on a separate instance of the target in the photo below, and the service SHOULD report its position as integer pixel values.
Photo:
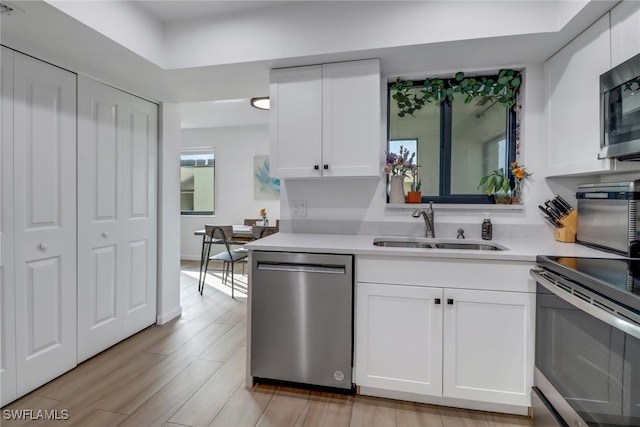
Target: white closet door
(45, 221)
(117, 149)
(139, 214)
(7, 296)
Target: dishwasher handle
(302, 268)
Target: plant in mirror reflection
(400, 164)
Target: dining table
(240, 235)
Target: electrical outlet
(299, 208)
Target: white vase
(396, 189)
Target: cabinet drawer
(446, 272)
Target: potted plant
(497, 185)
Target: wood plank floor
(191, 372)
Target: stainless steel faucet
(428, 219)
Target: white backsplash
(416, 229)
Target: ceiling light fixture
(261, 103)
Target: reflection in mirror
(457, 144)
(197, 182)
(412, 146)
(478, 142)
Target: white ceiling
(211, 57)
(167, 11)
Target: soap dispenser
(487, 227)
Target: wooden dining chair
(218, 235)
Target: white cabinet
(625, 31)
(573, 102)
(399, 338)
(488, 345)
(325, 120)
(436, 332)
(117, 148)
(39, 205)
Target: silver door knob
(43, 246)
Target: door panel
(399, 338)
(117, 214)
(99, 315)
(140, 213)
(296, 122)
(488, 345)
(45, 221)
(7, 289)
(103, 284)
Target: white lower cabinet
(488, 345)
(399, 338)
(445, 345)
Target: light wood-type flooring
(191, 372)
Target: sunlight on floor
(214, 280)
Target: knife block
(569, 228)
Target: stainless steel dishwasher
(302, 318)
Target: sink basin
(435, 244)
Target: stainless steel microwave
(620, 111)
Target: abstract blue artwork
(264, 187)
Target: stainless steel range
(587, 366)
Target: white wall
(168, 300)
(359, 205)
(234, 148)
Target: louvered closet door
(117, 152)
(44, 197)
(7, 296)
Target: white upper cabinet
(573, 102)
(325, 120)
(625, 31)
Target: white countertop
(516, 249)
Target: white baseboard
(446, 401)
(190, 257)
(165, 317)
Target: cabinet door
(116, 216)
(573, 102)
(45, 221)
(625, 31)
(488, 345)
(399, 338)
(296, 122)
(7, 289)
(351, 119)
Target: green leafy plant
(496, 182)
(504, 89)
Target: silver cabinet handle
(105, 234)
(43, 246)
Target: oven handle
(591, 309)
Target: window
(457, 144)
(197, 182)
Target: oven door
(587, 360)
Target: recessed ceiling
(194, 51)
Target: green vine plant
(504, 89)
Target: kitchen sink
(435, 244)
